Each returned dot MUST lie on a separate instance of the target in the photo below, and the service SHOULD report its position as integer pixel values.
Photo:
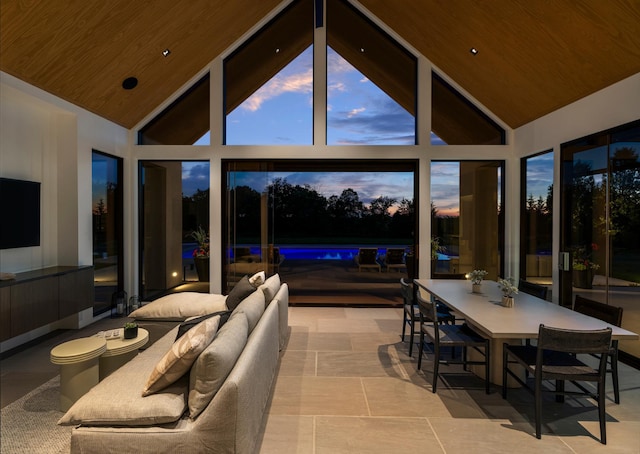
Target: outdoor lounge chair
(368, 258)
(394, 259)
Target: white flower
(476, 276)
(507, 286)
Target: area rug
(29, 425)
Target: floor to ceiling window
(107, 207)
(600, 222)
(467, 222)
(173, 227)
(309, 221)
(536, 210)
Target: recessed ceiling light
(277, 50)
(166, 52)
(129, 83)
(362, 50)
(474, 51)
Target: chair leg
(601, 413)
(420, 349)
(436, 364)
(412, 328)
(404, 326)
(538, 398)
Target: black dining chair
(444, 335)
(554, 359)
(411, 313)
(613, 316)
(533, 289)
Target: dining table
(485, 313)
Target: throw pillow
(178, 360)
(240, 291)
(191, 322)
(257, 279)
(271, 287)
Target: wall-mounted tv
(19, 213)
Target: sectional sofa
(217, 406)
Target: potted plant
(130, 330)
(584, 266)
(476, 277)
(508, 288)
(436, 249)
(201, 253)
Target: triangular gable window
(372, 80)
(269, 82)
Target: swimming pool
(305, 252)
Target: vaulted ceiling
(534, 56)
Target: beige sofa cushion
(270, 287)
(253, 307)
(116, 400)
(182, 354)
(180, 306)
(214, 364)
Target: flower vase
(202, 268)
(476, 288)
(507, 301)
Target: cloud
(354, 112)
(278, 85)
(195, 175)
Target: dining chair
(554, 359)
(444, 335)
(411, 313)
(533, 289)
(368, 258)
(613, 316)
(537, 290)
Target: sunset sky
(358, 112)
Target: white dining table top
(521, 321)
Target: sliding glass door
(308, 221)
(601, 221)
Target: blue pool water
(308, 252)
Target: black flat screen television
(19, 213)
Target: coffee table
(79, 367)
(120, 351)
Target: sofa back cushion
(179, 306)
(253, 307)
(214, 364)
(270, 287)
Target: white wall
(613, 106)
(49, 140)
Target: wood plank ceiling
(534, 56)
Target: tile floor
(347, 385)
